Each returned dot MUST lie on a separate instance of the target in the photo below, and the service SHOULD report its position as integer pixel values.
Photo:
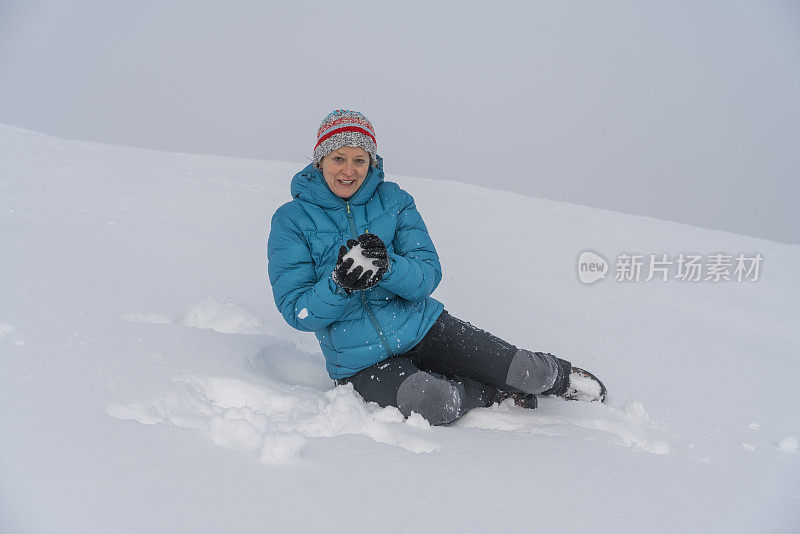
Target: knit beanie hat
(343, 127)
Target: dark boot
(574, 383)
(584, 386)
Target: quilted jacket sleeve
(415, 270)
(306, 303)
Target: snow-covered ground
(148, 383)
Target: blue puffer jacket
(366, 327)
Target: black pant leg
(380, 382)
(453, 347)
(398, 382)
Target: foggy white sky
(686, 110)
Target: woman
(350, 259)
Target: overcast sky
(680, 110)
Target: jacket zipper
(364, 302)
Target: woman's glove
(361, 264)
(372, 247)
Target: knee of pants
(532, 372)
(437, 400)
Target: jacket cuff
(330, 293)
(396, 274)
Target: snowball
(303, 314)
(367, 264)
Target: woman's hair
(343, 127)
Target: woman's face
(344, 170)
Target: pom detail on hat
(343, 127)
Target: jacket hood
(310, 185)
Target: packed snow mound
(275, 419)
(225, 316)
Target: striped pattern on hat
(343, 127)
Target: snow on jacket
(361, 329)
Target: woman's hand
(372, 247)
(361, 264)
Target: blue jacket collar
(310, 185)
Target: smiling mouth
(346, 182)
